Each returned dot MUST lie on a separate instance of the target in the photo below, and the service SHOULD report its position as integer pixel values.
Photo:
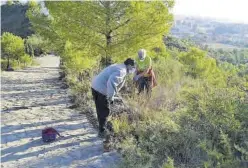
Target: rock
(9, 69)
(73, 106)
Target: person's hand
(118, 99)
(110, 100)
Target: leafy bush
(202, 133)
(12, 46)
(35, 45)
(26, 60)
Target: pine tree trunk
(108, 34)
(8, 65)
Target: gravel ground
(31, 100)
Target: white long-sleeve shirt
(110, 80)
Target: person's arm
(121, 85)
(113, 82)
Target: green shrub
(26, 60)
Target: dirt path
(31, 100)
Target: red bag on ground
(49, 134)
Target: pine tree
(111, 30)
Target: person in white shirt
(106, 85)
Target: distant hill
(13, 20)
(208, 31)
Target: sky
(229, 10)
(225, 10)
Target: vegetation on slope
(211, 33)
(14, 20)
(13, 52)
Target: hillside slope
(14, 20)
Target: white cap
(142, 54)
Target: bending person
(106, 85)
(145, 78)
